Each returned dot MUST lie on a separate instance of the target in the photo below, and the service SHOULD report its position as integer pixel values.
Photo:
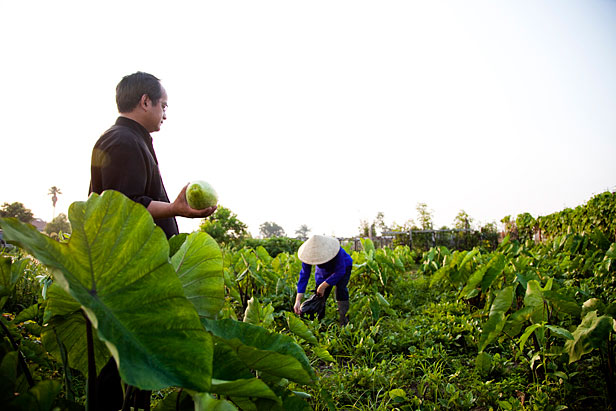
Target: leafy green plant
(274, 245)
(528, 325)
(145, 306)
(599, 213)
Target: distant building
(38, 223)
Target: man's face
(158, 112)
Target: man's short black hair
(130, 89)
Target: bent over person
(123, 159)
(333, 268)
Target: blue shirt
(331, 271)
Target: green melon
(200, 195)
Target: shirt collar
(135, 126)
(130, 123)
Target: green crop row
(599, 213)
(527, 326)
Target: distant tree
(366, 229)
(510, 228)
(424, 215)
(270, 229)
(406, 226)
(17, 210)
(224, 227)
(302, 232)
(53, 192)
(526, 225)
(462, 221)
(490, 228)
(379, 222)
(489, 233)
(59, 224)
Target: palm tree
(53, 191)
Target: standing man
(333, 268)
(123, 159)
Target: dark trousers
(109, 393)
(342, 291)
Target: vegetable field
(528, 326)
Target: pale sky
(323, 112)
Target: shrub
(275, 245)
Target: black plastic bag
(313, 305)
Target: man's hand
(322, 287)
(181, 208)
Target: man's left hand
(181, 207)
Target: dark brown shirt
(123, 159)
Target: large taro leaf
(270, 353)
(232, 378)
(297, 327)
(491, 329)
(497, 318)
(227, 365)
(264, 255)
(469, 289)
(66, 324)
(258, 314)
(198, 264)
(248, 388)
(592, 333)
(502, 300)
(534, 298)
(563, 303)
(116, 265)
(494, 268)
(10, 274)
(205, 402)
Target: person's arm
(179, 208)
(122, 166)
(302, 283)
(339, 272)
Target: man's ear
(144, 101)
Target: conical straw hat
(318, 249)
